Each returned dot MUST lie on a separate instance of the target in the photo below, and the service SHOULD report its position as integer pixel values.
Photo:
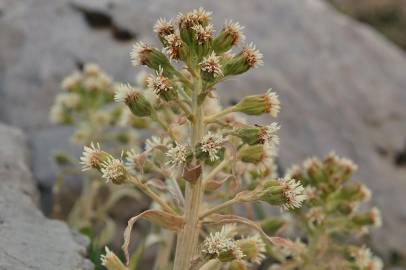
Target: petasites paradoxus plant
(203, 159)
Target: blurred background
(339, 67)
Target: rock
(28, 239)
(342, 85)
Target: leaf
(192, 174)
(157, 217)
(274, 240)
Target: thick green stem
(188, 237)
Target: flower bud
(162, 86)
(247, 59)
(372, 218)
(252, 154)
(272, 225)
(137, 103)
(230, 36)
(144, 54)
(111, 261)
(354, 192)
(259, 104)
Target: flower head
(92, 157)
(293, 193)
(253, 248)
(219, 245)
(155, 141)
(316, 215)
(234, 31)
(252, 56)
(114, 170)
(174, 45)
(163, 27)
(195, 17)
(364, 259)
(178, 154)
(211, 65)
(376, 218)
(139, 53)
(137, 103)
(260, 104)
(211, 144)
(272, 103)
(161, 85)
(132, 159)
(267, 134)
(203, 34)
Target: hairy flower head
(252, 56)
(219, 245)
(234, 31)
(92, 157)
(113, 170)
(177, 155)
(139, 53)
(211, 65)
(203, 33)
(211, 144)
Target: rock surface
(341, 84)
(28, 239)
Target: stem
(152, 195)
(186, 246)
(163, 125)
(216, 170)
(214, 117)
(218, 208)
(185, 109)
(164, 254)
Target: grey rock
(28, 239)
(342, 85)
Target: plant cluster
(205, 163)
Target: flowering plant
(204, 161)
